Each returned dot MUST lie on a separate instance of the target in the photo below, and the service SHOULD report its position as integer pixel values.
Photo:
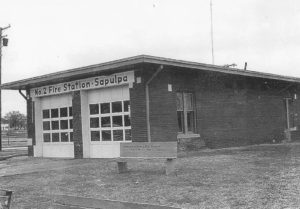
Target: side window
(185, 112)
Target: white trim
(84, 84)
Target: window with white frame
(185, 112)
(110, 121)
(57, 125)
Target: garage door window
(110, 121)
(58, 124)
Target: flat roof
(123, 63)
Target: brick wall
(231, 110)
(163, 116)
(77, 126)
(138, 109)
(234, 110)
(163, 120)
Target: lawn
(265, 176)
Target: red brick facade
(77, 125)
(230, 110)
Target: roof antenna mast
(212, 34)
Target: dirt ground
(265, 176)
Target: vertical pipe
(148, 114)
(287, 114)
(148, 101)
(288, 132)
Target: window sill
(185, 136)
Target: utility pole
(212, 33)
(3, 42)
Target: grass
(266, 176)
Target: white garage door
(109, 121)
(57, 126)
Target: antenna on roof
(245, 67)
(211, 33)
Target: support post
(122, 166)
(170, 166)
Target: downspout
(32, 119)
(148, 100)
(23, 95)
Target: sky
(52, 35)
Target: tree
(16, 119)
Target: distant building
(89, 111)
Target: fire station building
(89, 111)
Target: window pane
(179, 101)
(64, 137)
(190, 120)
(116, 106)
(55, 125)
(105, 108)
(46, 125)
(188, 101)
(118, 135)
(64, 124)
(54, 113)
(46, 113)
(71, 137)
(95, 136)
(126, 120)
(126, 106)
(106, 135)
(55, 137)
(117, 121)
(64, 112)
(70, 111)
(46, 137)
(94, 122)
(71, 124)
(128, 135)
(94, 109)
(105, 122)
(180, 121)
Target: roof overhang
(122, 64)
